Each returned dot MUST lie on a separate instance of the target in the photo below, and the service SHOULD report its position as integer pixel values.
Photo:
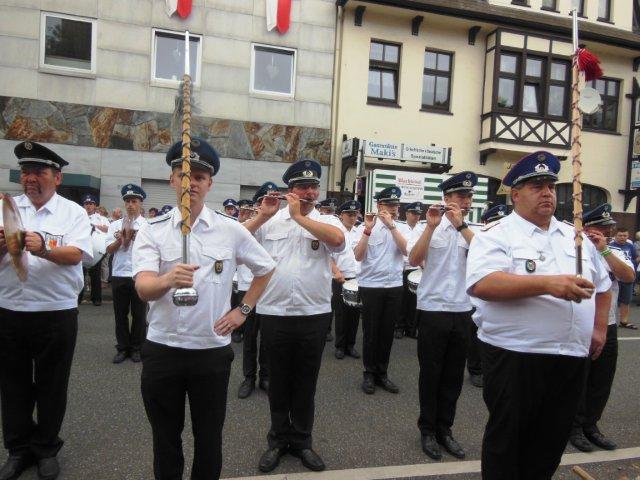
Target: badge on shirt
(315, 244)
(218, 267)
(530, 266)
(52, 241)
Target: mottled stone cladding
(123, 129)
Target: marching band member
(345, 267)
(245, 210)
(295, 310)
(89, 202)
(129, 337)
(380, 249)
(598, 226)
(188, 350)
(39, 317)
(444, 312)
(536, 324)
(230, 207)
(328, 206)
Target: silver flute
(282, 197)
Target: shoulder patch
(490, 225)
(225, 215)
(160, 219)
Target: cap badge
(542, 157)
(393, 195)
(468, 175)
(605, 214)
(501, 213)
(466, 183)
(541, 167)
(307, 173)
(28, 145)
(307, 163)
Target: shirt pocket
(169, 257)
(588, 268)
(526, 261)
(220, 260)
(275, 243)
(376, 246)
(53, 237)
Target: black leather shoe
(15, 465)
(430, 447)
(135, 356)
(97, 303)
(368, 384)
(310, 459)
(476, 380)
(246, 387)
(48, 468)
(270, 459)
(236, 336)
(398, 334)
(599, 440)
(329, 337)
(120, 357)
(339, 353)
(264, 384)
(352, 352)
(579, 441)
(387, 384)
(451, 446)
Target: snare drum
(413, 280)
(99, 247)
(350, 294)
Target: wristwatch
(245, 309)
(462, 227)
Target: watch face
(245, 309)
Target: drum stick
(581, 473)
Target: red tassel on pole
(589, 64)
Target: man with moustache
(98, 222)
(381, 247)
(537, 320)
(39, 317)
(295, 310)
(129, 337)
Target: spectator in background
(153, 212)
(622, 242)
(103, 211)
(116, 214)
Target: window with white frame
(273, 70)
(168, 55)
(67, 43)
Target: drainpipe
(335, 98)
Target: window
(550, 5)
(604, 10)
(436, 80)
(524, 3)
(636, 16)
(273, 71)
(68, 43)
(591, 198)
(540, 89)
(607, 117)
(168, 57)
(384, 70)
(581, 8)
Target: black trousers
(36, 351)
(474, 357)
(125, 299)
(95, 282)
(532, 401)
(407, 319)
(252, 355)
(599, 381)
(347, 318)
(380, 307)
(442, 352)
(168, 375)
(294, 348)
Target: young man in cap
(120, 241)
(295, 310)
(328, 206)
(187, 351)
(230, 207)
(345, 267)
(381, 247)
(39, 317)
(536, 324)
(245, 210)
(100, 223)
(598, 226)
(444, 312)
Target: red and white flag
(183, 7)
(278, 15)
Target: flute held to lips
(282, 197)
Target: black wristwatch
(462, 227)
(245, 309)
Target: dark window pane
(170, 56)
(603, 9)
(612, 88)
(551, 4)
(388, 85)
(558, 71)
(376, 51)
(373, 89)
(430, 60)
(610, 117)
(506, 92)
(428, 90)
(391, 53)
(442, 91)
(534, 67)
(68, 43)
(556, 100)
(508, 63)
(444, 62)
(273, 70)
(530, 99)
(600, 86)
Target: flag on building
(183, 7)
(278, 15)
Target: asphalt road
(107, 435)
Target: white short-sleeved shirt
(301, 284)
(121, 266)
(245, 277)
(615, 286)
(62, 223)
(98, 220)
(346, 260)
(442, 286)
(217, 245)
(417, 229)
(541, 324)
(383, 262)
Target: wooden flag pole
(576, 146)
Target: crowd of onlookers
(631, 249)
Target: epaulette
(401, 221)
(490, 225)
(160, 219)
(225, 215)
(472, 224)
(422, 221)
(567, 222)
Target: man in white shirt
(444, 312)
(295, 309)
(188, 351)
(536, 323)
(381, 248)
(100, 223)
(39, 317)
(120, 241)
